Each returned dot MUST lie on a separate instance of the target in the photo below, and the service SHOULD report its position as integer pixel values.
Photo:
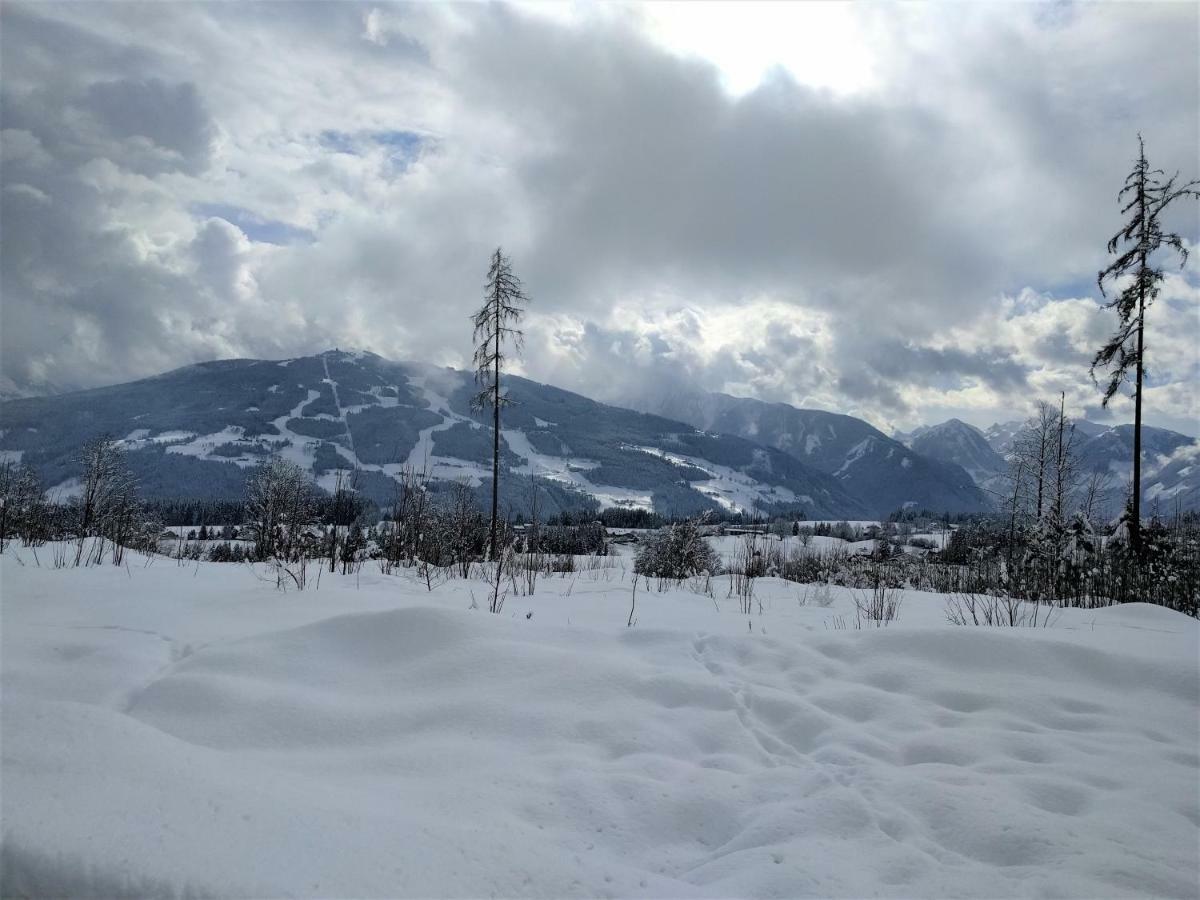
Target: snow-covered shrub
(576, 540)
(819, 595)
(229, 552)
(676, 552)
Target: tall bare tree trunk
(1135, 533)
(495, 445)
(495, 322)
(1135, 527)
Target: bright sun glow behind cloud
(821, 44)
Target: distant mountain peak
(350, 353)
(878, 468)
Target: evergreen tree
(495, 323)
(1150, 192)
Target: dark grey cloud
(946, 368)
(169, 116)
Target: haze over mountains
(196, 432)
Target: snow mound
(425, 749)
(931, 757)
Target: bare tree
(1066, 468)
(496, 323)
(22, 504)
(9, 476)
(411, 514)
(806, 535)
(1016, 475)
(1044, 482)
(279, 506)
(343, 511)
(1095, 495)
(1034, 450)
(535, 557)
(31, 510)
(1149, 193)
(463, 527)
(107, 499)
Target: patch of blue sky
(402, 146)
(1072, 289)
(254, 226)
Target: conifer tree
(496, 324)
(1149, 193)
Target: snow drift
(191, 731)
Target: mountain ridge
(882, 469)
(202, 426)
(1171, 475)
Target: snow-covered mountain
(1112, 449)
(196, 431)
(1171, 461)
(1174, 481)
(1170, 474)
(1000, 435)
(955, 441)
(880, 469)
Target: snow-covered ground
(171, 727)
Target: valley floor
(191, 730)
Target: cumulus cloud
(272, 179)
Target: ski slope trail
(341, 412)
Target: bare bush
(999, 610)
(748, 564)
(878, 607)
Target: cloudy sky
(890, 211)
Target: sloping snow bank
(192, 728)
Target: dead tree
(495, 324)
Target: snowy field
(189, 729)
